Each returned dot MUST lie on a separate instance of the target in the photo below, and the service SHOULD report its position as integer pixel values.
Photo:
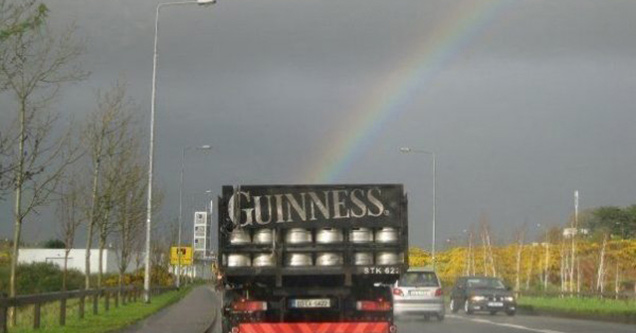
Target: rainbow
(466, 20)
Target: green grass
(114, 319)
(599, 308)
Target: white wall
(76, 259)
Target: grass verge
(583, 308)
(104, 321)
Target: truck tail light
(398, 292)
(249, 306)
(439, 292)
(379, 305)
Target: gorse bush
(619, 257)
(159, 277)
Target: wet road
(478, 323)
(199, 311)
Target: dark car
(475, 293)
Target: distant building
(76, 259)
(570, 232)
(202, 227)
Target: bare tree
(600, 272)
(530, 269)
(105, 227)
(130, 221)
(520, 235)
(573, 252)
(489, 259)
(546, 260)
(70, 218)
(617, 285)
(6, 168)
(15, 17)
(127, 172)
(35, 64)
(564, 252)
(104, 134)
(470, 253)
(546, 265)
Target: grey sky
(536, 104)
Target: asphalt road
(501, 323)
(198, 312)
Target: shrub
(158, 277)
(54, 244)
(40, 278)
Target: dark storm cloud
(537, 104)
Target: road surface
(198, 312)
(501, 323)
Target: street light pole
(151, 149)
(434, 156)
(183, 154)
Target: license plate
(418, 293)
(495, 304)
(310, 303)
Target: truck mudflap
(334, 327)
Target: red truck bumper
(336, 327)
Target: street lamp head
(206, 2)
(405, 150)
(204, 147)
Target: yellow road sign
(186, 255)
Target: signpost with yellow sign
(184, 252)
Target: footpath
(195, 313)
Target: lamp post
(208, 205)
(151, 150)
(418, 151)
(183, 155)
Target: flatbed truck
(311, 258)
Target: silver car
(419, 292)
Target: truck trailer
(311, 258)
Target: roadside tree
(15, 17)
(70, 218)
(35, 64)
(104, 135)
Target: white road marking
(519, 327)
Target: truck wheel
(467, 308)
(511, 312)
(440, 316)
(492, 313)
